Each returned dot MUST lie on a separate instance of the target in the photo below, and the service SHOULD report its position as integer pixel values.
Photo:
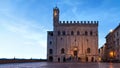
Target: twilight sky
(24, 23)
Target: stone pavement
(60, 65)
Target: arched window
(86, 33)
(72, 33)
(50, 33)
(62, 51)
(91, 33)
(58, 59)
(78, 33)
(58, 33)
(50, 51)
(50, 42)
(63, 33)
(88, 50)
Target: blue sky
(24, 23)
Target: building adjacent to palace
(72, 40)
(103, 53)
(113, 44)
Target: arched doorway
(92, 59)
(75, 53)
(64, 59)
(86, 59)
(62, 51)
(50, 58)
(79, 59)
(58, 59)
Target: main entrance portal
(75, 53)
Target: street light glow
(111, 30)
(111, 54)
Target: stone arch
(50, 58)
(58, 59)
(75, 53)
(62, 51)
(88, 50)
(86, 59)
(79, 59)
(64, 59)
(92, 59)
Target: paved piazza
(61, 65)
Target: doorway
(64, 59)
(86, 59)
(92, 59)
(75, 53)
(50, 58)
(58, 59)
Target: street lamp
(99, 59)
(111, 54)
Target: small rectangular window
(58, 33)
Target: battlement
(79, 22)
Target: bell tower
(55, 16)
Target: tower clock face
(55, 13)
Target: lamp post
(111, 54)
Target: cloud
(31, 36)
(16, 17)
(26, 29)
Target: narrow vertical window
(86, 33)
(63, 33)
(78, 33)
(117, 33)
(50, 51)
(72, 33)
(91, 33)
(88, 50)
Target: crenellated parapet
(79, 22)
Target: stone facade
(103, 53)
(113, 45)
(72, 40)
